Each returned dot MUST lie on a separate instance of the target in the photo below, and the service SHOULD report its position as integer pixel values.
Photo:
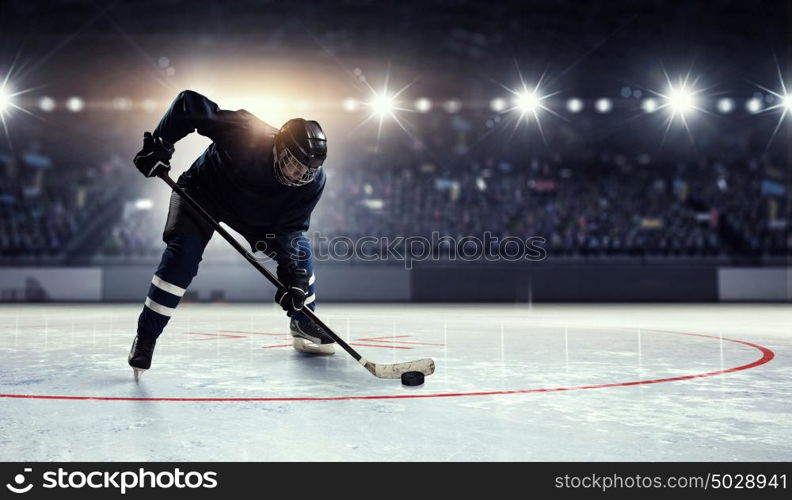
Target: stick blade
(425, 366)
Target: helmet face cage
(285, 161)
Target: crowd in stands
(615, 206)
(603, 205)
(45, 206)
(611, 206)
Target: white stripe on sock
(159, 308)
(167, 287)
(311, 279)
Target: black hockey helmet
(300, 150)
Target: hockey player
(263, 182)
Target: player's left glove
(295, 280)
(154, 158)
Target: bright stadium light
(274, 103)
(725, 105)
(782, 101)
(234, 102)
(5, 99)
(46, 104)
(270, 108)
(386, 104)
(144, 204)
(754, 105)
(527, 102)
(788, 102)
(574, 105)
(8, 101)
(423, 105)
(350, 105)
(75, 104)
(680, 100)
(122, 103)
(149, 105)
(382, 105)
(452, 106)
(603, 105)
(498, 104)
(649, 105)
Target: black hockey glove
(292, 298)
(155, 156)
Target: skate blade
(138, 372)
(308, 347)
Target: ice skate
(140, 355)
(309, 338)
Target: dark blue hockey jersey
(237, 169)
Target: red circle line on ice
(767, 356)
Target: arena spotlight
(452, 106)
(498, 104)
(781, 99)
(350, 105)
(122, 103)
(46, 104)
(649, 105)
(144, 204)
(423, 105)
(680, 100)
(275, 103)
(725, 105)
(149, 105)
(603, 105)
(75, 104)
(753, 105)
(382, 105)
(574, 105)
(6, 100)
(527, 102)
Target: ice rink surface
(669, 382)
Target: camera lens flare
(680, 100)
(382, 105)
(6, 100)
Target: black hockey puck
(412, 378)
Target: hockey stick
(425, 366)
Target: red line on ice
(360, 345)
(389, 339)
(382, 346)
(386, 337)
(767, 356)
(213, 336)
(255, 333)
